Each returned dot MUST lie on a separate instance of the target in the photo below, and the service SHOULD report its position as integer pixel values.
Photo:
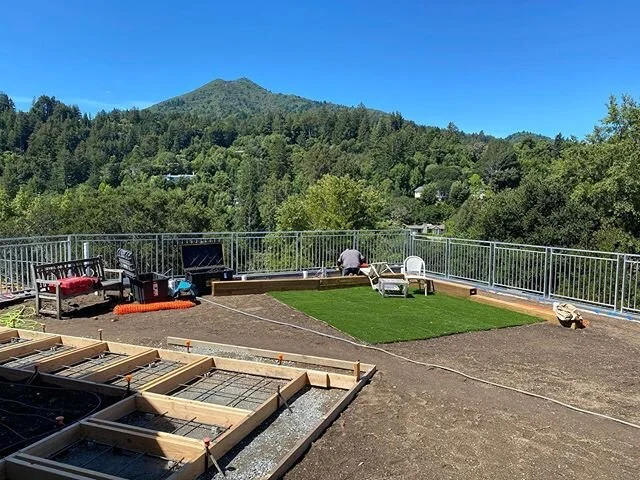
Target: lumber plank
(126, 349)
(69, 357)
(6, 335)
(178, 439)
(248, 287)
(64, 467)
(179, 376)
(453, 289)
(316, 378)
(78, 342)
(533, 310)
(33, 335)
(20, 469)
(152, 442)
(303, 445)
(52, 444)
(181, 357)
(273, 354)
(121, 367)
(22, 349)
(118, 410)
(14, 374)
(187, 409)
(233, 436)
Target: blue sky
(500, 66)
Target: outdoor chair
(415, 271)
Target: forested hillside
(317, 167)
(237, 98)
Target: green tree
(334, 203)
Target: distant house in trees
(417, 193)
(426, 229)
(182, 176)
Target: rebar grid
(146, 373)
(231, 389)
(34, 356)
(114, 460)
(177, 426)
(89, 364)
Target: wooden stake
(356, 370)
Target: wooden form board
(530, 308)
(272, 354)
(249, 287)
(453, 289)
(33, 461)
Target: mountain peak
(222, 98)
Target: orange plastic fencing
(151, 307)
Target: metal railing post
(158, 269)
(492, 263)
(298, 264)
(447, 258)
(545, 274)
(550, 281)
(69, 240)
(624, 267)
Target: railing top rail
(559, 250)
(453, 239)
(519, 245)
(35, 238)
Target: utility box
(145, 287)
(204, 263)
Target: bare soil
(417, 422)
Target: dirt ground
(417, 422)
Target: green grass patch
(365, 314)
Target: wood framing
(316, 378)
(174, 407)
(178, 377)
(68, 357)
(250, 287)
(39, 460)
(25, 348)
(304, 444)
(544, 312)
(231, 437)
(272, 354)
(453, 289)
(122, 367)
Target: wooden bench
(50, 274)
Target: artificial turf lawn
(365, 314)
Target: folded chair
(415, 271)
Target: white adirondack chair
(415, 270)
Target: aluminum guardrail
(606, 279)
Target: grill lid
(201, 255)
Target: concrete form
(171, 400)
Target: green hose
(20, 317)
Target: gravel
(260, 452)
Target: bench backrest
(90, 267)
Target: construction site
(319, 376)
(135, 412)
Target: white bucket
(243, 277)
(305, 274)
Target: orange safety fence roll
(151, 307)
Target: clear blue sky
(501, 66)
